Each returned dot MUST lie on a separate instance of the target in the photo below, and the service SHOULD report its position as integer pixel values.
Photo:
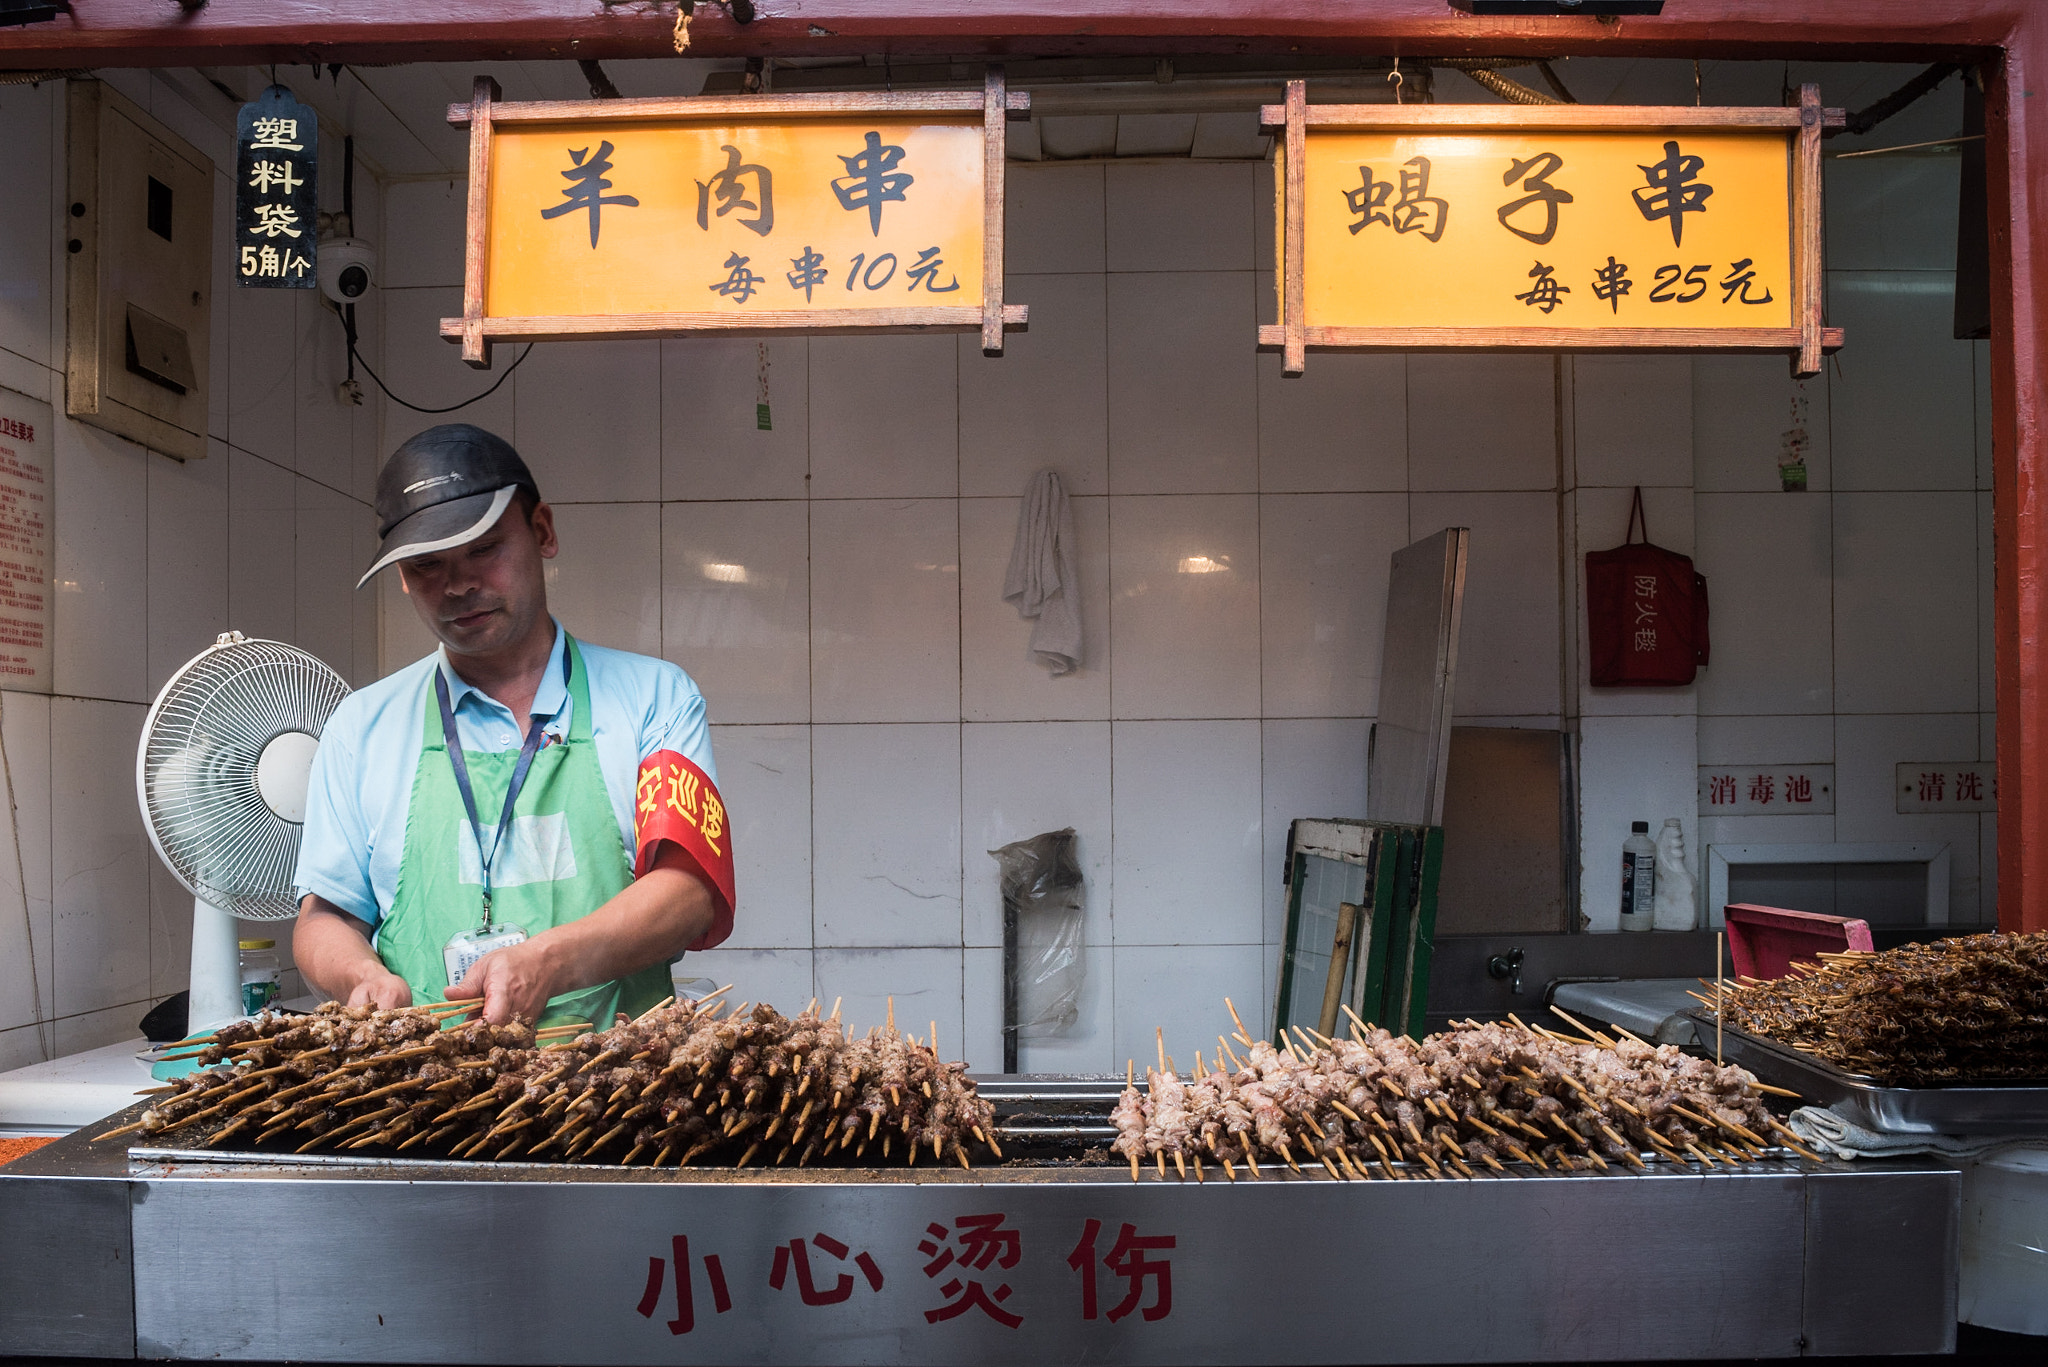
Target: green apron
(561, 860)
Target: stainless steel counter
(108, 1254)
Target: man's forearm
(333, 953)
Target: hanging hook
(1395, 78)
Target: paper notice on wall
(26, 526)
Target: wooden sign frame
(1806, 339)
(486, 111)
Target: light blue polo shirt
(361, 786)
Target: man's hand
(514, 981)
(387, 992)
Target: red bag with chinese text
(1646, 612)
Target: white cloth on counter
(1043, 580)
(1833, 1136)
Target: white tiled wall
(881, 723)
(834, 583)
(154, 558)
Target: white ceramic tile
(736, 605)
(262, 548)
(781, 977)
(26, 286)
(1767, 740)
(188, 560)
(1759, 830)
(27, 985)
(101, 565)
(402, 637)
(605, 586)
(1771, 584)
(1482, 422)
(925, 983)
(1264, 219)
(1021, 779)
(219, 382)
(30, 378)
(25, 1045)
(100, 856)
(1892, 213)
(1340, 424)
(1186, 809)
(1902, 394)
(1311, 769)
(885, 834)
(326, 572)
(885, 610)
(893, 429)
(764, 775)
(1183, 383)
(1180, 990)
(588, 416)
(366, 613)
(1987, 607)
(262, 376)
(1184, 605)
(1742, 409)
(1324, 561)
(424, 370)
(209, 128)
(1508, 645)
(1632, 419)
(711, 438)
(1981, 366)
(1868, 750)
(1602, 516)
(1180, 216)
(1083, 1047)
(1905, 602)
(170, 931)
(324, 426)
(98, 1029)
(1043, 401)
(1000, 678)
(1053, 219)
(423, 234)
(1631, 769)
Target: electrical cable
(348, 328)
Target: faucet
(1509, 966)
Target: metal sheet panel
(1882, 1253)
(1279, 1271)
(67, 1287)
(1418, 670)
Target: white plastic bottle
(1673, 906)
(1638, 877)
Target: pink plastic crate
(1764, 942)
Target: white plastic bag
(1043, 896)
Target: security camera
(348, 267)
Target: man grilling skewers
(518, 817)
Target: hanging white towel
(1043, 581)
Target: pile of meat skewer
(1974, 1008)
(685, 1083)
(1475, 1097)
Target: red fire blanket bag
(1646, 612)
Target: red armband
(675, 801)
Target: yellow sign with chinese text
(683, 217)
(1650, 229)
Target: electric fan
(227, 750)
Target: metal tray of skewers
(1987, 1108)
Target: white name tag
(536, 850)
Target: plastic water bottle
(1638, 877)
(1673, 906)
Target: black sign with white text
(276, 199)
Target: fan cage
(196, 770)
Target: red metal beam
(2016, 122)
(160, 33)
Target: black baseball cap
(442, 488)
